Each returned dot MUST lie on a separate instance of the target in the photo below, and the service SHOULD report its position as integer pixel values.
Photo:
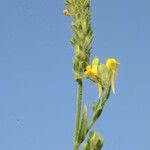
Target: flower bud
(96, 142)
(66, 12)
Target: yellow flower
(112, 64)
(66, 12)
(92, 73)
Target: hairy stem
(78, 113)
(101, 102)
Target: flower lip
(112, 64)
(92, 71)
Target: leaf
(94, 106)
(97, 113)
(83, 125)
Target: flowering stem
(79, 104)
(101, 102)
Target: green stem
(78, 113)
(101, 102)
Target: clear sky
(37, 90)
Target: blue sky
(37, 90)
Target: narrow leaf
(83, 125)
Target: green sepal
(83, 125)
(75, 44)
(108, 94)
(68, 3)
(104, 75)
